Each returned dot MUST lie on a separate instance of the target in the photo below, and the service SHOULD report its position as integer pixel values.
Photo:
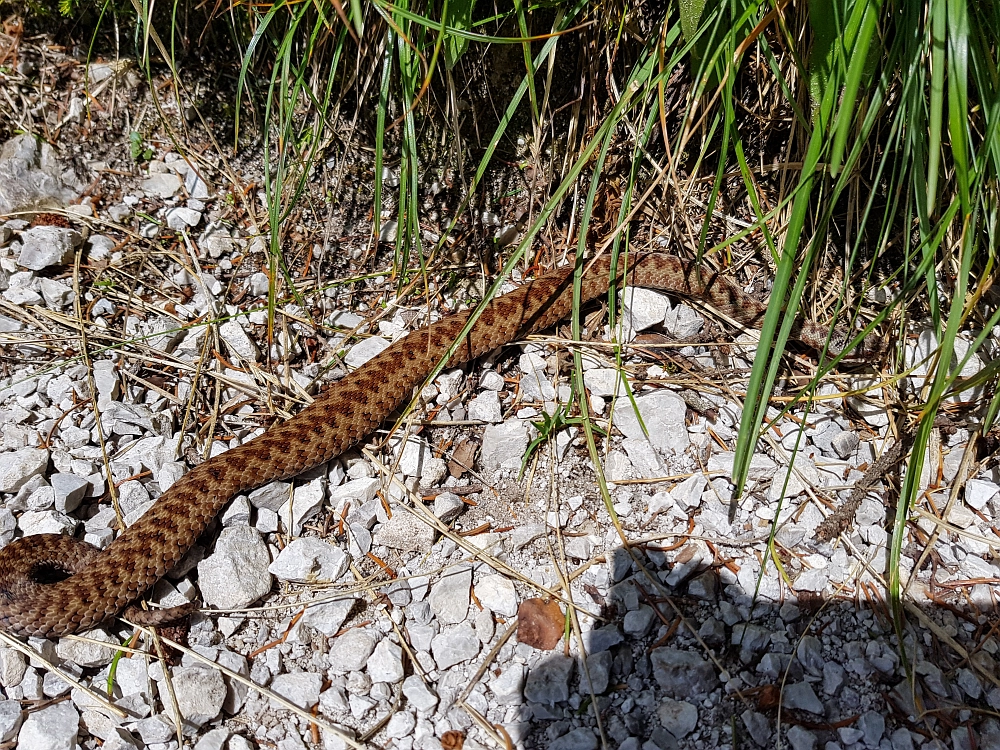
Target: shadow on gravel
(710, 661)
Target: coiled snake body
(102, 583)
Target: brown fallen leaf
(452, 740)
(540, 623)
(462, 458)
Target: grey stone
(581, 738)
(704, 586)
(761, 467)
(602, 639)
(236, 691)
(22, 289)
(682, 322)
(88, 653)
(399, 592)
(10, 719)
(449, 596)
(46, 522)
(901, 739)
(677, 717)
(414, 456)
(179, 218)
(663, 414)
(933, 678)
(69, 491)
(491, 380)
(757, 726)
(508, 687)
(56, 294)
(535, 382)
(522, 536)
(305, 502)
(200, 694)
(485, 626)
(970, 685)
(810, 652)
(486, 408)
(643, 308)
(350, 651)
(801, 739)
(18, 467)
(603, 381)
(868, 405)
(9, 325)
(329, 617)
(639, 622)
(400, 725)
(236, 574)
(99, 246)
(214, 739)
(682, 674)
(599, 669)
(333, 701)
(31, 176)
(434, 472)
(688, 493)
(12, 667)
(713, 632)
(872, 723)
(834, 676)
(455, 645)
(386, 662)
(448, 506)
(548, 681)
(301, 688)
(772, 665)
(45, 246)
(154, 729)
(421, 636)
(418, 694)
(978, 492)
(358, 492)
(751, 639)
(365, 350)
(844, 444)
(162, 184)
(961, 737)
(496, 593)
(310, 560)
(800, 695)
(504, 445)
(54, 727)
(131, 677)
(238, 341)
(199, 188)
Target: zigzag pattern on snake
(102, 583)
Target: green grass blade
(938, 10)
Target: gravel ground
(417, 593)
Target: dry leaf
(540, 623)
(462, 458)
(452, 740)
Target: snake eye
(48, 572)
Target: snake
(52, 585)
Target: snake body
(102, 583)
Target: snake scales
(103, 583)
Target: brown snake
(102, 583)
